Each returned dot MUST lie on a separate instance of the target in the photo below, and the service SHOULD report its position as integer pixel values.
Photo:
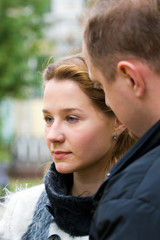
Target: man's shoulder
(140, 179)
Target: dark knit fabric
(72, 214)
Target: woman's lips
(60, 155)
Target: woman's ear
(118, 127)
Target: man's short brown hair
(123, 28)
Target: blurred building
(23, 126)
(65, 29)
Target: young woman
(85, 139)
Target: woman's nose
(55, 133)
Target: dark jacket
(129, 207)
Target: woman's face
(78, 136)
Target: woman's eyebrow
(72, 109)
(45, 111)
(66, 110)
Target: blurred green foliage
(23, 48)
(5, 153)
(23, 52)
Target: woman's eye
(72, 119)
(48, 119)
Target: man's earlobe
(133, 77)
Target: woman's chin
(63, 168)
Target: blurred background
(32, 34)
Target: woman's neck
(87, 183)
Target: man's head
(118, 28)
(122, 50)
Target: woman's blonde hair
(74, 67)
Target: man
(122, 51)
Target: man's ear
(118, 127)
(133, 77)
